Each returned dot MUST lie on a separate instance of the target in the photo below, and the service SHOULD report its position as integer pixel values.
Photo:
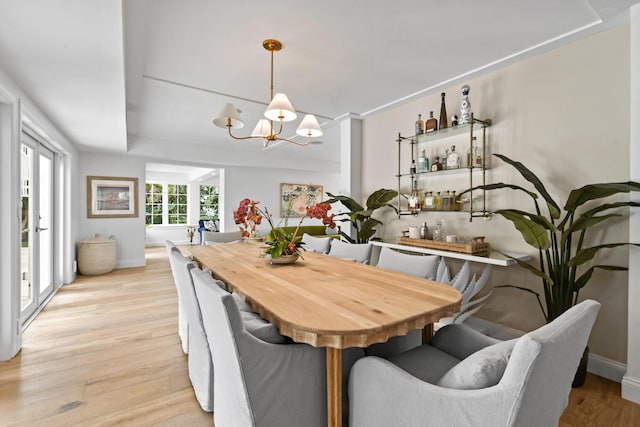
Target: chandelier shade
(279, 110)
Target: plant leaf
(380, 198)
(347, 201)
(498, 186)
(583, 223)
(554, 209)
(587, 254)
(582, 280)
(600, 208)
(533, 233)
(597, 191)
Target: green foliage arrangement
(559, 236)
(361, 217)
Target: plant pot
(581, 373)
(283, 259)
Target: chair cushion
(416, 265)
(256, 325)
(461, 341)
(482, 369)
(360, 252)
(316, 244)
(425, 362)
(241, 303)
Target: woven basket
(97, 255)
(477, 247)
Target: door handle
(40, 229)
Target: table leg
(427, 333)
(334, 387)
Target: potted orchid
(279, 243)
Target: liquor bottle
(453, 159)
(477, 156)
(438, 201)
(437, 166)
(419, 125)
(412, 169)
(445, 166)
(443, 114)
(432, 123)
(454, 202)
(423, 162)
(414, 199)
(424, 230)
(446, 201)
(429, 202)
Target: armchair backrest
(200, 362)
(543, 364)
(232, 407)
(415, 265)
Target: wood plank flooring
(106, 352)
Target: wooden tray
(478, 247)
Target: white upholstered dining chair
(216, 237)
(183, 322)
(199, 356)
(316, 244)
(416, 265)
(464, 379)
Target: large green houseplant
(360, 217)
(560, 236)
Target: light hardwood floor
(106, 352)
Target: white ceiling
(181, 61)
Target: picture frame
(295, 198)
(112, 197)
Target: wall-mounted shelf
(476, 171)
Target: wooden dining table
(329, 302)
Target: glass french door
(37, 201)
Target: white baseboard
(598, 365)
(631, 389)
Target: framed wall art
(112, 197)
(295, 198)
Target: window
(166, 204)
(153, 204)
(177, 204)
(208, 201)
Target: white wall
(129, 233)
(565, 114)
(631, 381)
(263, 185)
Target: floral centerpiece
(278, 242)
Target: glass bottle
(453, 159)
(412, 169)
(454, 202)
(423, 162)
(424, 230)
(446, 201)
(443, 114)
(429, 201)
(438, 232)
(445, 165)
(419, 125)
(414, 199)
(432, 123)
(477, 156)
(437, 166)
(438, 201)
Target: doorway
(37, 183)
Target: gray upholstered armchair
(264, 382)
(458, 381)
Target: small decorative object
(111, 197)
(465, 106)
(454, 121)
(423, 162)
(419, 125)
(412, 169)
(453, 159)
(280, 244)
(432, 124)
(443, 114)
(424, 230)
(191, 231)
(248, 217)
(436, 166)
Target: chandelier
(279, 110)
